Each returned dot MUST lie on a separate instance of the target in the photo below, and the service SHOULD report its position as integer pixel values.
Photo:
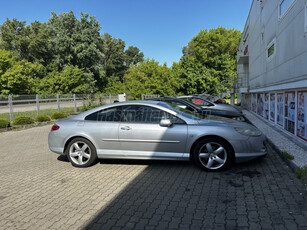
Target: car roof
(157, 104)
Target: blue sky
(159, 28)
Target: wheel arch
(73, 137)
(210, 136)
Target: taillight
(55, 127)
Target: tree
(214, 50)
(133, 56)
(193, 78)
(39, 49)
(114, 57)
(22, 78)
(76, 43)
(70, 80)
(14, 36)
(150, 78)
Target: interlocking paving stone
(41, 190)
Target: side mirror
(166, 123)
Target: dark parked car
(198, 109)
(208, 104)
(211, 98)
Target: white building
(272, 64)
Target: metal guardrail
(11, 103)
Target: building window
(271, 49)
(284, 6)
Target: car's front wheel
(81, 152)
(213, 154)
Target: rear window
(112, 114)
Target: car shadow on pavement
(172, 194)
(62, 158)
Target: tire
(81, 153)
(213, 154)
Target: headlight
(248, 131)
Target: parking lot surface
(41, 190)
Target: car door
(142, 137)
(103, 127)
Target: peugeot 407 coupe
(154, 130)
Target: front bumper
(254, 147)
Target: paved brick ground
(41, 190)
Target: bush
(23, 120)
(58, 115)
(42, 118)
(4, 123)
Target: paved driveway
(41, 190)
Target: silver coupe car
(154, 130)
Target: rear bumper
(56, 150)
(53, 143)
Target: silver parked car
(154, 130)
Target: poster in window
(254, 102)
(280, 109)
(266, 106)
(290, 111)
(272, 106)
(260, 102)
(302, 115)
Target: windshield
(183, 112)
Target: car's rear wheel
(81, 152)
(213, 154)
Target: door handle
(125, 128)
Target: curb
(279, 152)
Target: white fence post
(10, 101)
(37, 104)
(75, 103)
(58, 101)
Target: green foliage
(301, 172)
(69, 55)
(149, 78)
(287, 155)
(58, 115)
(42, 118)
(21, 78)
(23, 120)
(4, 123)
(209, 59)
(117, 60)
(76, 43)
(70, 80)
(133, 56)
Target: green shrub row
(24, 120)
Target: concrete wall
(289, 61)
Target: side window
(142, 114)
(175, 120)
(112, 114)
